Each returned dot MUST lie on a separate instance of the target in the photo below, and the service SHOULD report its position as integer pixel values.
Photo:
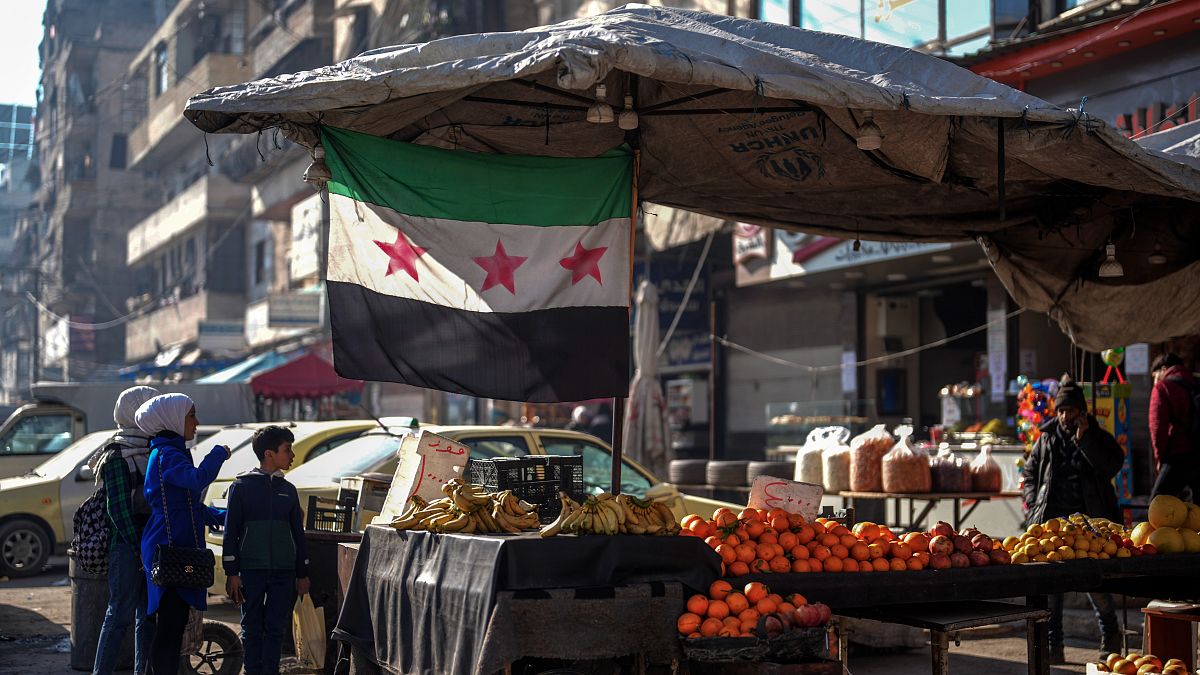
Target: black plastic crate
(535, 478)
(339, 518)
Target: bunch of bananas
(608, 514)
(468, 509)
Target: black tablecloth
(422, 603)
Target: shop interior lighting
(1110, 268)
(318, 172)
(1157, 257)
(600, 112)
(628, 119)
(870, 136)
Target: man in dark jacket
(1171, 429)
(1070, 470)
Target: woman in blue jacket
(174, 490)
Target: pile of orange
(757, 541)
(725, 612)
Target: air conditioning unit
(894, 318)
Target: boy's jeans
(126, 605)
(266, 615)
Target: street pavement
(35, 616)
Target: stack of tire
(687, 471)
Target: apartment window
(117, 152)
(260, 263)
(162, 74)
(775, 11)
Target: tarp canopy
(308, 376)
(757, 122)
(242, 371)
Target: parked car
(39, 507)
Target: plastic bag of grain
(835, 462)
(906, 469)
(866, 459)
(985, 472)
(951, 473)
(808, 460)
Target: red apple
(939, 561)
(959, 560)
(999, 556)
(943, 528)
(1127, 543)
(1135, 551)
(981, 542)
(825, 613)
(962, 544)
(979, 559)
(1149, 549)
(941, 544)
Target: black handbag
(177, 566)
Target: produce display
(866, 459)
(752, 612)
(950, 472)
(468, 509)
(1134, 663)
(608, 514)
(1077, 537)
(1173, 526)
(757, 542)
(905, 469)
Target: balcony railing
(283, 31)
(179, 323)
(164, 132)
(212, 197)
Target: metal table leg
(939, 645)
(957, 513)
(1038, 639)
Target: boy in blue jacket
(265, 559)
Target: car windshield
(236, 439)
(76, 454)
(360, 455)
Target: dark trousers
(1176, 475)
(1106, 616)
(172, 618)
(266, 615)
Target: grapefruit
(1191, 540)
(1167, 511)
(1166, 540)
(1193, 517)
(1141, 533)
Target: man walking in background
(1173, 428)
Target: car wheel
(220, 652)
(24, 548)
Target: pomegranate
(808, 616)
(999, 556)
(939, 561)
(825, 613)
(979, 559)
(981, 542)
(785, 618)
(959, 560)
(962, 544)
(970, 533)
(941, 544)
(943, 528)
(772, 625)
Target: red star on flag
(402, 255)
(500, 267)
(584, 263)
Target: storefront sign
(798, 254)
(849, 372)
(750, 242)
(56, 344)
(221, 336)
(304, 260)
(997, 343)
(690, 347)
(1137, 359)
(294, 310)
(427, 462)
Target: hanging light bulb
(600, 112)
(870, 136)
(318, 172)
(1157, 257)
(1110, 268)
(628, 119)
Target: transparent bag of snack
(950, 472)
(985, 472)
(866, 459)
(905, 469)
(835, 462)
(808, 460)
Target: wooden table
(916, 517)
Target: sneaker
(1058, 655)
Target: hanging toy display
(1035, 407)
(1113, 358)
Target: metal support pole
(939, 645)
(617, 443)
(1038, 647)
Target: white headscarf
(133, 440)
(164, 413)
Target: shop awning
(244, 370)
(308, 376)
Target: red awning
(308, 376)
